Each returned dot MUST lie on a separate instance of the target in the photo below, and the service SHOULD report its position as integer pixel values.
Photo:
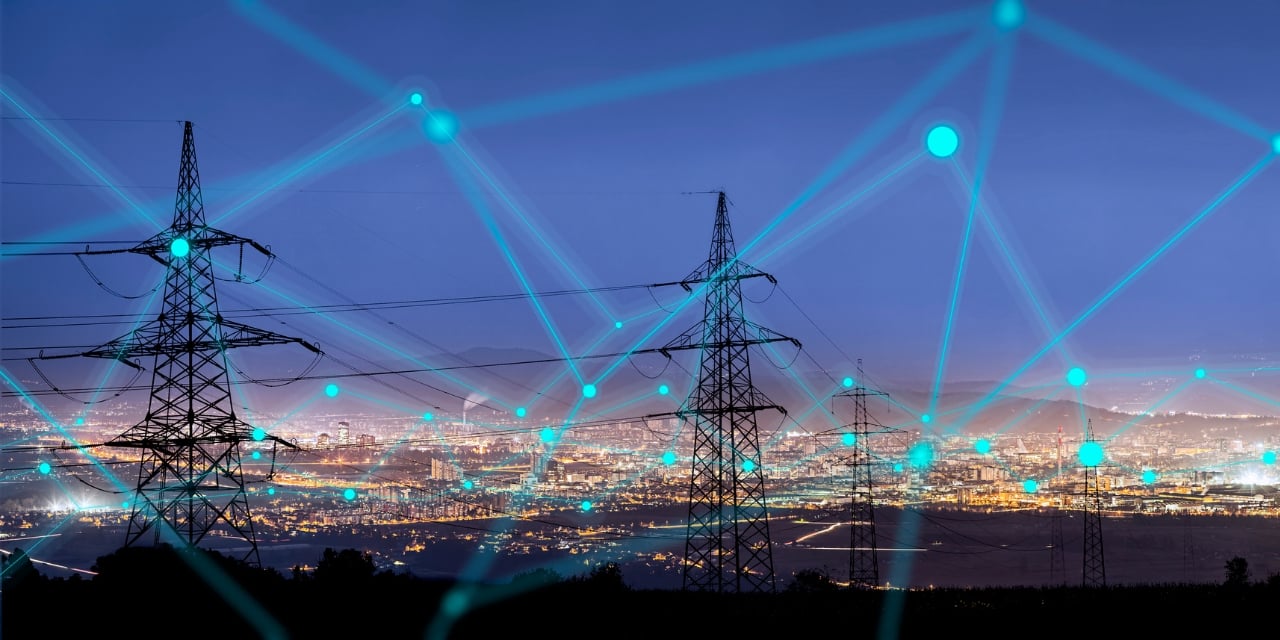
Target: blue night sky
(1089, 172)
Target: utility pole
(864, 565)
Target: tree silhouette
(1237, 573)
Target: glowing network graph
(964, 154)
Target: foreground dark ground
(162, 592)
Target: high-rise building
(344, 434)
(322, 441)
(365, 440)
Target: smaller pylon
(864, 563)
(1095, 570)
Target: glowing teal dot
(663, 389)
(79, 421)
(942, 141)
(849, 439)
(547, 434)
(271, 491)
(259, 434)
(349, 494)
(1091, 454)
(586, 505)
(124, 505)
(1275, 143)
(617, 324)
(1269, 457)
(589, 391)
(468, 485)
(428, 416)
(455, 603)
(521, 411)
(897, 468)
(257, 455)
(926, 418)
(415, 98)
(1199, 373)
(179, 247)
(45, 468)
(441, 126)
(748, 466)
(982, 446)
(1008, 14)
(669, 458)
(847, 382)
(1076, 377)
(920, 455)
(331, 390)
(1030, 485)
(1149, 477)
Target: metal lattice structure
(1095, 570)
(727, 544)
(190, 475)
(864, 563)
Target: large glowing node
(1275, 143)
(349, 494)
(942, 141)
(982, 446)
(257, 455)
(428, 416)
(1199, 373)
(920, 455)
(45, 468)
(79, 421)
(849, 439)
(259, 434)
(1076, 376)
(1030, 485)
(1090, 454)
(589, 391)
(926, 418)
(1148, 477)
(521, 411)
(441, 126)
(586, 505)
(547, 434)
(1269, 457)
(179, 247)
(124, 505)
(415, 98)
(468, 485)
(848, 382)
(663, 389)
(669, 458)
(748, 466)
(1008, 14)
(331, 390)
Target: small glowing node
(847, 382)
(849, 439)
(926, 418)
(663, 389)
(259, 434)
(617, 324)
(45, 468)
(547, 434)
(468, 485)
(586, 505)
(1009, 14)
(942, 141)
(920, 455)
(1199, 373)
(1091, 454)
(1269, 457)
(982, 446)
(748, 466)
(1030, 485)
(415, 98)
(124, 505)
(79, 421)
(179, 247)
(1076, 377)
(428, 416)
(257, 455)
(271, 491)
(669, 458)
(1275, 143)
(1148, 477)
(589, 391)
(331, 390)
(349, 494)
(441, 126)
(521, 411)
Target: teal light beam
(308, 163)
(81, 159)
(922, 92)
(471, 190)
(1129, 69)
(1145, 413)
(723, 68)
(1243, 391)
(1128, 278)
(312, 47)
(992, 109)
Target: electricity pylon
(864, 565)
(1095, 570)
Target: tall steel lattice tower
(864, 564)
(1095, 570)
(190, 475)
(727, 545)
